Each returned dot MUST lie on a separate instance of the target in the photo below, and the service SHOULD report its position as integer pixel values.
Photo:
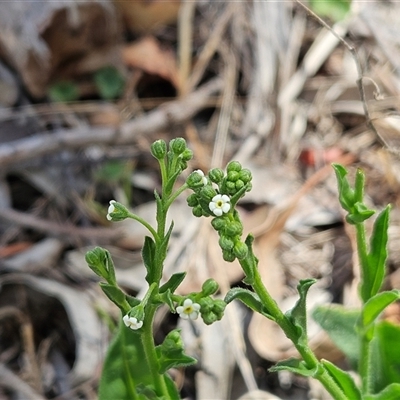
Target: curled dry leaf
(147, 55)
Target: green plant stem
(150, 351)
(145, 224)
(365, 353)
(362, 252)
(290, 331)
(176, 194)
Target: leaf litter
(285, 98)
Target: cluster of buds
(216, 195)
(176, 156)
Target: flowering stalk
(141, 366)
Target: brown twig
(175, 112)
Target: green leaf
(346, 194)
(64, 91)
(172, 389)
(375, 305)
(109, 82)
(125, 367)
(166, 298)
(391, 392)
(250, 262)
(386, 356)
(171, 353)
(116, 295)
(298, 314)
(340, 324)
(344, 380)
(148, 256)
(293, 365)
(334, 9)
(249, 298)
(173, 282)
(374, 271)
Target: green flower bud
(240, 250)
(219, 307)
(187, 155)
(249, 187)
(192, 200)
(234, 166)
(195, 180)
(228, 255)
(159, 149)
(210, 286)
(209, 318)
(208, 192)
(245, 175)
(216, 175)
(226, 243)
(218, 223)
(97, 261)
(230, 187)
(177, 145)
(206, 304)
(239, 184)
(233, 229)
(197, 211)
(117, 211)
(233, 176)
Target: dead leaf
(147, 55)
(39, 39)
(145, 16)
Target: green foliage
(64, 91)
(171, 353)
(374, 268)
(294, 365)
(334, 9)
(340, 324)
(109, 82)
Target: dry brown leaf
(147, 55)
(145, 16)
(39, 39)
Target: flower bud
(233, 229)
(97, 261)
(240, 250)
(195, 180)
(216, 175)
(219, 307)
(226, 243)
(231, 188)
(245, 175)
(192, 200)
(210, 286)
(197, 211)
(228, 255)
(187, 155)
(117, 212)
(218, 223)
(208, 192)
(233, 176)
(178, 146)
(234, 166)
(209, 318)
(239, 184)
(159, 149)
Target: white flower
(201, 173)
(220, 204)
(110, 210)
(189, 310)
(132, 322)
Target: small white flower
(201, 173)
(220, 204)
(110, 210)
(132, 322)
(189, 310)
